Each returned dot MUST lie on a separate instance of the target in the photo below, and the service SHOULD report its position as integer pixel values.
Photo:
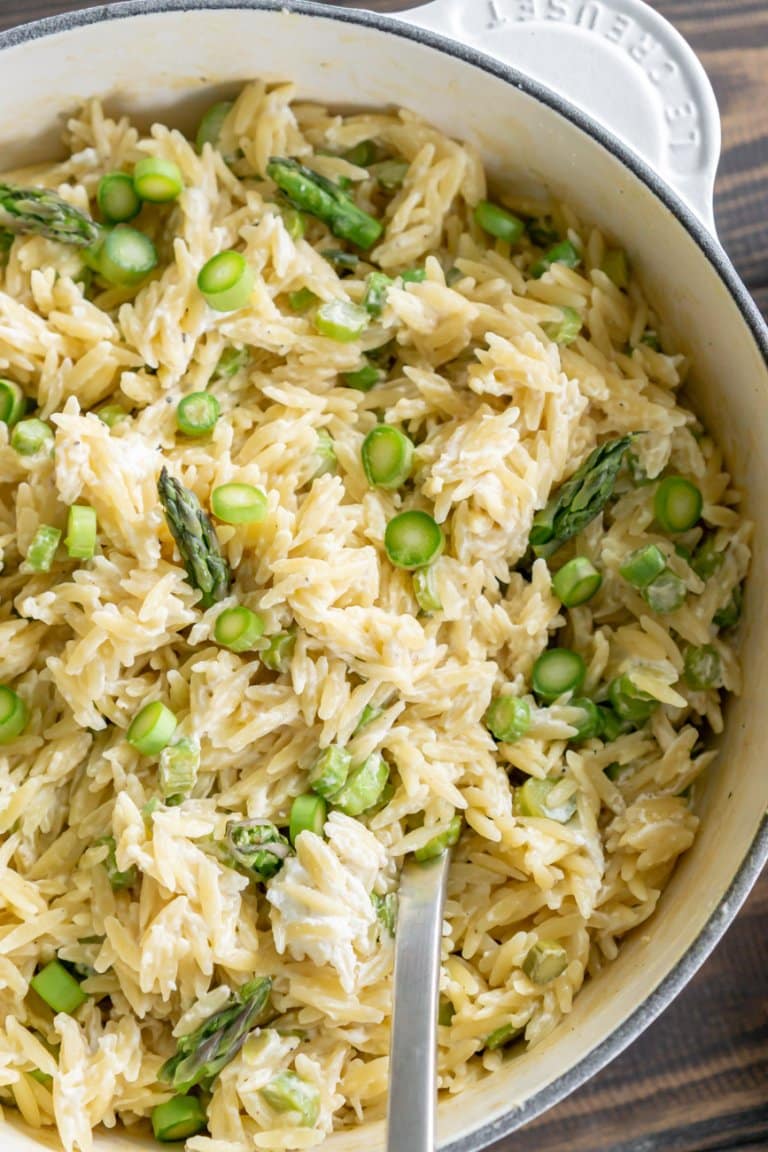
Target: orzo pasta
(341, 518)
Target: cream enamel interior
(179, 58)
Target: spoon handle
(412, 1058)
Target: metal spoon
(413, 1047)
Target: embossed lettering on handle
(619, 61)
(681, 112)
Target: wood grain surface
(697, 1080)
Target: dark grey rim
(757, 856)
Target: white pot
(624, 65)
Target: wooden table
(698, 1078)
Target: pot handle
(617, 60)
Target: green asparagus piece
(319, 197)
(202, 1054)
(367, 716)
(615, 771)
(562, 253)
(287, 1092)
(6, 243)
(543, 232)
(232, 359)
(630, 703)
(612, 725)
(41, 212)
(257, 847)
(442, 842)
(577, 502)
(729, 615)
(503, 1036)
(178, 768)
(342, 261)
(386, 910)
(278, 654)
(651, 340)
(364, 787)
(196, 540)
(532, 798)
(178, 1119)
(41, 1078)
(325, 454)
(445, 1013)
(545, 961)
(117, 879)
(589, 725)
(703, 668)
(329, 771)
(706, 559)
(378, 284)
